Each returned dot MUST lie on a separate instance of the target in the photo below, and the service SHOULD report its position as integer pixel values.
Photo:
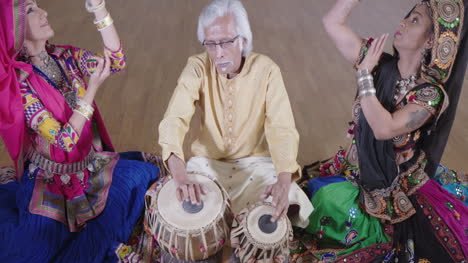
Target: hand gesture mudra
(374, 53)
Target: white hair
(220, 8)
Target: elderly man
(248, 139)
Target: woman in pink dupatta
(73, 198)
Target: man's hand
(280, 193)
(186, 189)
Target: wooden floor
(159, 36)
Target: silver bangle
(362, 72)
(94, 9)
(366, 85)
(368, 92)
(366, 77)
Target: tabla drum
(185, 231)
(256, 239)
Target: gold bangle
(94, 9)
(84, 111)
(86, 114)
(104, 23)
(86, 106)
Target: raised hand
(374, 53)
(101, 73)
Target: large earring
(425, 61)
(426, 56)
(23, 54)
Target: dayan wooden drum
(185, 231)
(257, 239)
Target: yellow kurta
(249, 115)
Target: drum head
(172, 211)
(257, 231)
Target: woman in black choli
(380, 202)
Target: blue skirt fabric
(314, 185)
(25, 237)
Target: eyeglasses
(211, 45)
